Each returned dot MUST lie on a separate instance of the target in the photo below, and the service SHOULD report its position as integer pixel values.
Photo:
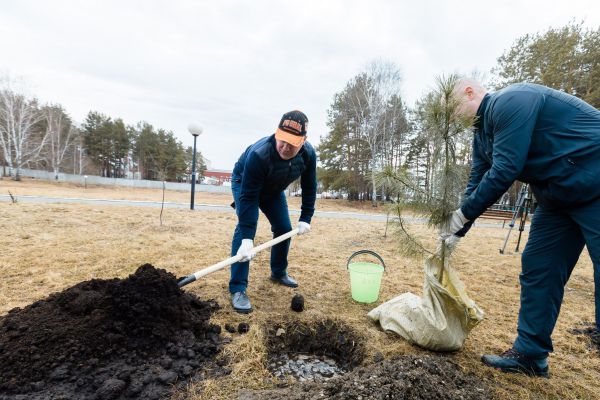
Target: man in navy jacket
(259, 179)
(550, 140)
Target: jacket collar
(481, 110)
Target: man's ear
(469, 92)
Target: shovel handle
(231, 260)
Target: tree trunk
(374, 191)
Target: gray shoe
(241, 302)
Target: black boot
(513, 361)
(285, 280)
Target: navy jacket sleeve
(513, 118)
(308, 183)
(253, 180)
(479, 166)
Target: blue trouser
(556, 240)
(276, 210)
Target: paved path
(212, 207)
(197, 206)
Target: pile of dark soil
(406, 377)
(137, 337)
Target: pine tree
(565, 58)
(442, 132)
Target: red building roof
(219, 175)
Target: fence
(134, 183)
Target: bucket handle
(365, 252)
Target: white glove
(303, 228)
(447, 246)
(452, 242)
(456, 222)
(245, 250)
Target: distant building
(219, 177)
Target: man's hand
(451, 242)
(457, 225)
(245, 250)
(303, 228)
(446, 246)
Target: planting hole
(316, 351)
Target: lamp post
(80, 148)
(195, 130)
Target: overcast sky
(235, 67)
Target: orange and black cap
(292, 128)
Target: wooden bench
(503, 215)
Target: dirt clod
(243, 327)
(230, 328)
(378, 357)
(111, 389)
(298, 303)
(108, 339)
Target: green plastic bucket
(365, 277)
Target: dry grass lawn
(46, 248)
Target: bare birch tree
(19, 119)
(374, 90)
(60, 134)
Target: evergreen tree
(144, 148)
(158, 154)
(121, 137)
(566, 58)
(97, 134)
(200, 163)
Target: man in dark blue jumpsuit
(550, 140)
(259, 179)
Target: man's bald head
(469, 92)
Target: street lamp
(195, 130)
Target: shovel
(231, 260)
